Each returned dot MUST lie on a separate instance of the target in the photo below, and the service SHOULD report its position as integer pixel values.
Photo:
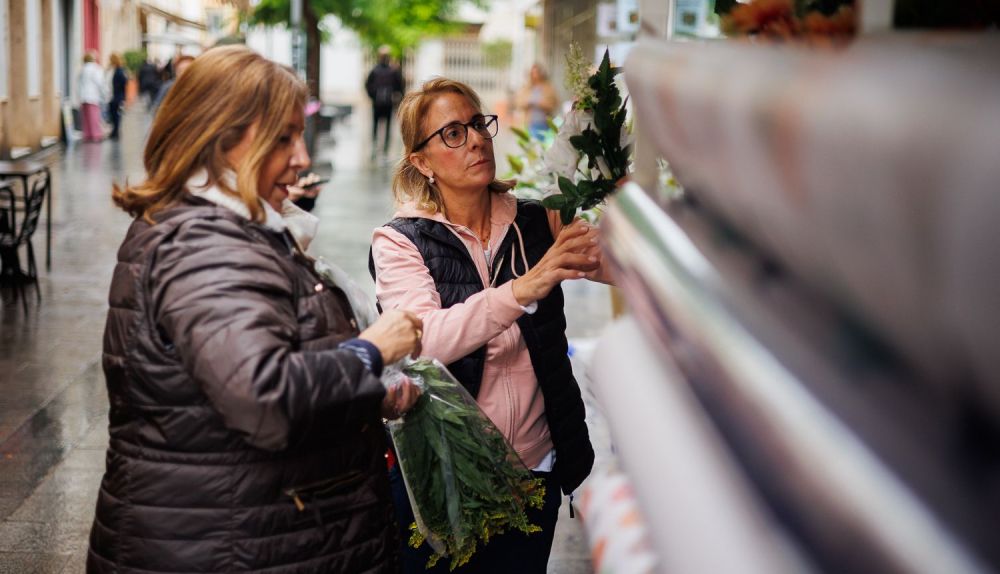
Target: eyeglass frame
(493, 118)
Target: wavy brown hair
(205, 114)
(408, 184)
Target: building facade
(31, 70)
(42, 43)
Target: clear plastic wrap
(364, 309)
(464, 480)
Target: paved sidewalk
(53, 404)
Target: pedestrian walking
(179, 64)
(149, 82)
(93, 94)
(483, 269)
(384, 86)
(245, 405)
(118, 82)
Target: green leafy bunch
(465, 481)
(601, 143)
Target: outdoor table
(24, 170)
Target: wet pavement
(53, 404)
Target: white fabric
(547, 463)
(300, 223)
(93, 88)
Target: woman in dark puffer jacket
(245, 406)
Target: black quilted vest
(544, 332)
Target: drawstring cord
(496, 272)
(513, 258)
(513, 254)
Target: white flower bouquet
(592, 149)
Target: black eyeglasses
(456, 134)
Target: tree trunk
(311, 28)
(312, 49)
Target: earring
(430, 179)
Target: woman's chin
(276, 197)
(485, 175)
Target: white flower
(562, 158)
(602, 164)
(575, 122)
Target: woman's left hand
(399, 399)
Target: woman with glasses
(482, 270)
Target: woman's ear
(420, 162)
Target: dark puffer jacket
(242, 439)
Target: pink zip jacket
(509, 394)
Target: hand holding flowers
(574, 255)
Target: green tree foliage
(399, 24)
(498, 54)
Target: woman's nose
(300, 158)
(474, 139)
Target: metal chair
(13, 236)
(8, 207)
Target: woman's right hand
(396, 334)
(399, 399)
(572, 256)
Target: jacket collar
(503, 210)
(300, 223)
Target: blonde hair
(204, 115)
(408, 184)
(115, 60)
(89, 57)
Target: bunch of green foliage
(601, 143)
(466, 484)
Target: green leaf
(515, 164)
(554, 202)
(605, 74)
(567, 214)
(602, 119)
(589, 142)
(567, 187)
(521, 133)
(587, 189)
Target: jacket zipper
(321, 487)
(508, 386)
